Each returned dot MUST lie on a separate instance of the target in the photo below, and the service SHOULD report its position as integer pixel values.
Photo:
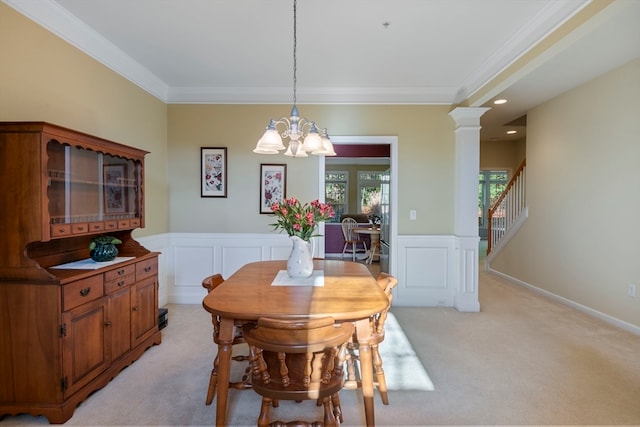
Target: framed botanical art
(213, 172)
(273, 185)
(115, 196)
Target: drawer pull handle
(84, 292)
(135, 308)
(147, 269)
(120, 272)
(120, 283)
(107, 323)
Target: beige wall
(496, 155)
(42, 78)
(582, 239)
(425, 158)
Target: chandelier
(304, 136)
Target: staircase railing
(506, 210)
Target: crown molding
(550, 18)
(262, 95)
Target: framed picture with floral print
(273, 185)
(115, 190)
(213, 176)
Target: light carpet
(522, 360)
(168, 384)
(403, 370)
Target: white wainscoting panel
(431, 270)
(198, 258)
(198, 255)
(466, 295)
(425, 268)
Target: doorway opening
(377, 154)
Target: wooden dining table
(348, 293)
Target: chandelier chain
(295, 61)
(303, 134)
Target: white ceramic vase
(300, 262)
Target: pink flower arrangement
(299, 219)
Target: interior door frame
(392, 141)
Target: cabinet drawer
(123, 223)
(119, 278)
(79, 228)
(146, 268)
(96, 226)
(111, 225)
(134, 222)
(58, 230)
(82, 291)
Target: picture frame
(213, 172)
(273, 185)
(115, 190)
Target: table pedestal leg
(225, 340)
(363, 333)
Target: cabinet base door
(85, 353)
(120, 322)
(145, 309)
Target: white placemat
(283, 279)
(89, 264)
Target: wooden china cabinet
(68, 325)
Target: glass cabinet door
(91, 192)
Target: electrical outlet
(412, 214)
(631, 290)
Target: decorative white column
(467, 164)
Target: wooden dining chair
(352, 238)
(298, 359)
(210, 283)
(387, 282)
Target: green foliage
(101, 240)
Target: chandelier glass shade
(304, 136)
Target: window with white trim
(336, 192)
(369, 194)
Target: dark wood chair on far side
(376, 322)
(298, 359)
(210, 283)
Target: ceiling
(348, 51)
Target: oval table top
(349, 293)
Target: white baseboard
(588, 310)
